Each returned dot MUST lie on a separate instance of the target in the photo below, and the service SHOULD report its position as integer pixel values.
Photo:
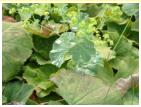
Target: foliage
(69, 53)
(17, 92)
(17, 45)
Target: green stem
(122, 34)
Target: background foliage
(70, 53)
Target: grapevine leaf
(17, 92)
(17, 45)
(78, 88)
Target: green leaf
(126, 66)
(39, 78)
(85, 60)
(45, 29)
(130, 8)
(17, 45)
(42, 46)
(4, 100)
(106, 73)
(105, 52)
(78, 88)
(135, 25)
(126, 55)
(25, 13)
(68, 46)
(31, 102)
(112, 13)
(131, 97)
(60, 48)
(91, 67)
(51, 102)
(134, 36)
(17, 92)
(53, 96)
(39, 59)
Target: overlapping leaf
(68, 46)
(17, 92)
(81, 51)
(39, 78)
(78, 88)
(97, 44)
(17, 45)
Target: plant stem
(122, 34)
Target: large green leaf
(78, 88)
(17, 45)
(69, 46)
(81, 51)
(39, 78)
(17, 92)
